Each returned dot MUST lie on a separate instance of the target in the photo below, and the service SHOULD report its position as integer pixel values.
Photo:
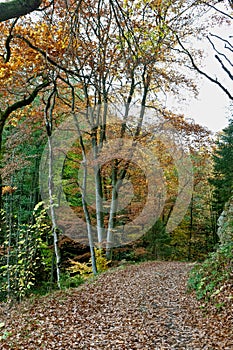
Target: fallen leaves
(139, 307)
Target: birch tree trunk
(113, 210)
(84, 203)
(48, 117)
(98, 192)
(88, 220)
(97, 147)
(99, 205)
(52, 211)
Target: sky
(212, 106)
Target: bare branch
(7, 55)
(224, 40)
(216, 9)
(215, 81)
(224, 67)
(218, 52)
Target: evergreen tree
(223, 168)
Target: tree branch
(224, 67)
(218, 52)
(216, 9)
(16, 8)
(215, 81)
(22, 103)
(49, 59)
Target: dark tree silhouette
(16, 8)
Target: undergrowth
(209, 278)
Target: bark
(15, 8)
(113, 210)
(48, 117)
(98, 191)
(9, 257)
(99, 205)
(101, 121)
(52, 212)
(190, 229)
(88, 221)
(84, 203)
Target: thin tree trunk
(98, 191)
(96, 147)
(113, 210)
(52, 212)
(84, 203)
(190, 229)
(117, 181)
(2, 123)
(90, 236)
(48, 117)
(99, 205)
(9, 233)
(88, 220)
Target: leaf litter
(136, 307)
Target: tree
(23, 144)
(101, 53)
(223, 56)
(112, 52)
(25, 255)
(223, 168)
(196, 226)
(16, 8)
(21, 79)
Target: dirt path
(139, 307)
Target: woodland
(116, 212)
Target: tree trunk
(113, 210)
(190, 229)
(2, 122)
(88, 220)
(84, 204)
(52, 211)
(98, 191)
(9, 233)
(99, 205)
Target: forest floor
(136, 307)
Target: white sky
(212, 107)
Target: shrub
(68, 281)
(209, 278)
(85, 269)
(25, 257)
